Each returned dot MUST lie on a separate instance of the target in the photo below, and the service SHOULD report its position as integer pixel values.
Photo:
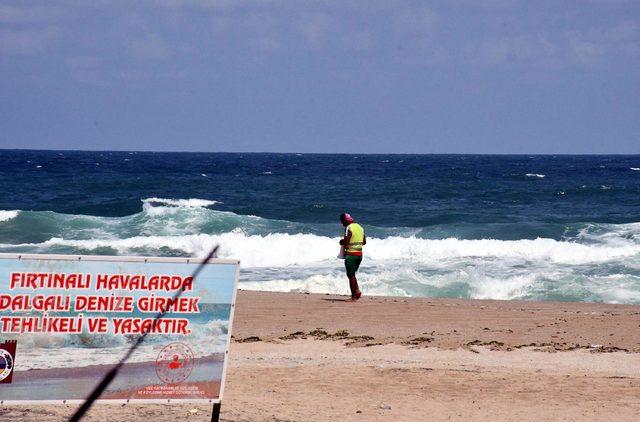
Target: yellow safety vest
(357, 237)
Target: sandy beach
(300, 357)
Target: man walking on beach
(352, 243)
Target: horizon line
(328, 153)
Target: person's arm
(364, 240)
(347, 237)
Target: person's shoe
(357, 295)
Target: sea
(525, 227)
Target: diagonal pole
(109, 376)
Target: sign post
(215, 414)
(69, 319)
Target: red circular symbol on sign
(6, 364)
(174, 363)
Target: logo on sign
(7, 357)
(174, 363)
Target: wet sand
(442, 323)
(316, 357)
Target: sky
(343, 76)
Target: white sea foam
(185, 203)
(539, 176)
(380, 283)
(508, 288)
(499, 282)
(616, 288)
(618, 235)
(635, 168)
(282, 250)
(396, 266)
(8, 215)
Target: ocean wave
(378, 283)
(283, 255)
(539, 176)
(618, 235)
(186, 203)
(634, 168)
(8, 215)
(465, 281)
(158, 219)
(282, 250)
(258, 242)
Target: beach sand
(299, 357)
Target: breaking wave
(7, 215)
(284, 250)
(188, 203)
(591, 262)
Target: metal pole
(215, 414)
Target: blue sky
(455, 76)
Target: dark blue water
(529, 227)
